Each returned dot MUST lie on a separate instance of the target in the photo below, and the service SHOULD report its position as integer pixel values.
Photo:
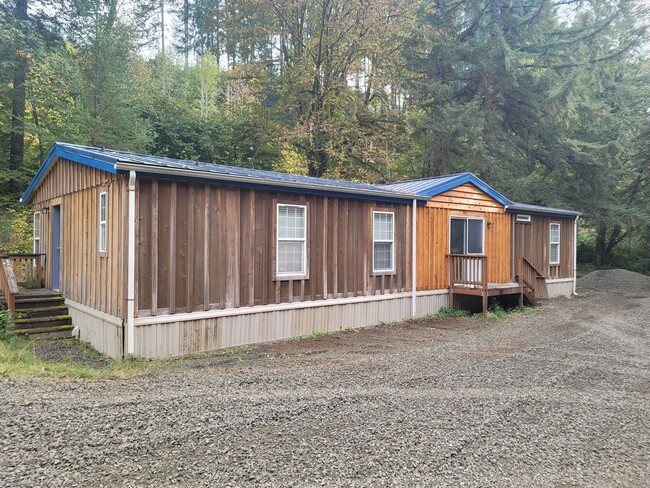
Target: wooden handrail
(533, 266)
(530, 276)
(8, 282)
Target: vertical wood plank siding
(532, 240)
(86, 277)
(228, 235)
(433, 235)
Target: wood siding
(532, 240)
(203, 247)
(433, 222)
(85, 276)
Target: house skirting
(187, 333)
(560, 287)
(100, 329)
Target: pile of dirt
(70, 350)
(616, 280)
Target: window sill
(388, 272)
(102, 254)
(290, 277)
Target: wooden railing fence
(18, 270)
(28, 269)
(8, 282)
(467, 270)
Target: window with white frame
(383, 241)
(291, 254)
(554, 257)
(466, 235)
(37, 232)
(102, 221)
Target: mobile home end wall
(86, 277)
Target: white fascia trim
(261, 181)
(98, 314)
(280, 307)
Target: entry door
(55, 260)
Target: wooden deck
(468, 275)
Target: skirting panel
(561, 287)
(102, 331)
(186, 336)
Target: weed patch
(446, 312)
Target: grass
(18, 359)
(445, 313)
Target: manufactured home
(151, 256)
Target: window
(555, 244)
(466, 236)
(523, 218)
(291, 241)
(37, 233)
(383, 241)
(102, 222)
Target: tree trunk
(601, 245)
(17, 141)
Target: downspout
(575, 253)
(414, 259)
(130, 297)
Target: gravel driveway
(557, 397)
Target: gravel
(556, 397)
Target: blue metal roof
(119, 161)
(540, 210)
(430, 187)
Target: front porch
(469, 275)
(36, 311)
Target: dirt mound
(620, 280)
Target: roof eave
(74, 154)
(514, 208)
(251, 180)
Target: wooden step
(53, 311)
(61, 332)
(23, 303)
(40, 322)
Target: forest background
(546, 100)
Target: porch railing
(28, 269)
(8, 283)
(467, 270)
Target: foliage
(16, 230)
(446, 312)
